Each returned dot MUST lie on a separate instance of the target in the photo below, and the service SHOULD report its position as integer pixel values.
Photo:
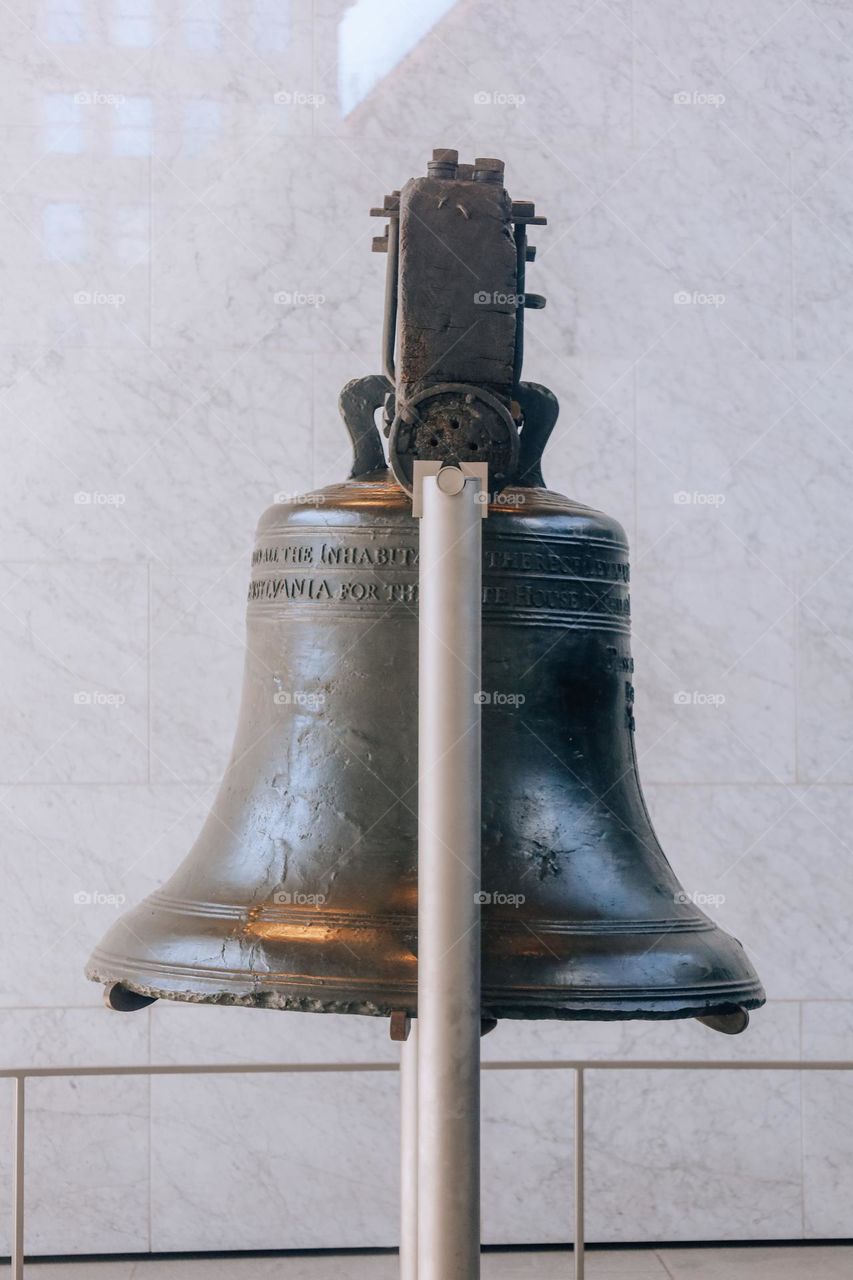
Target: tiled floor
(809, 1263)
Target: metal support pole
(18, 1181)
(449, 876)
(409, 1155)
(579, 1175)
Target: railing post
(18, 1181)
(409, 1155)
(579, 1175)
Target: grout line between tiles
(801, 1084)
(796, 692)
(151, 250)
(793, 283)
(633, 88)
(150, 1143)
(148, 676)
(635, 424)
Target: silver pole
(449, 877)
(579, 1176)
(18, 1181)
(409, 1155)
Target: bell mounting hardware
(453, 331)
(454, 317)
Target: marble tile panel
(686, 1156)
(73, 857)
(72, 648)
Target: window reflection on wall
(130, 228)
(132, 127)
(63, 127)
(270, 24)
(202, 24)
(62, 21)
(202, 125)
(373, 37)
(65, 231)
(131, 24)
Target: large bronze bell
(301, 891)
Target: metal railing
(580, 1066)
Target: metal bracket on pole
(470, 470)
(441, 1068)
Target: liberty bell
(301, 891)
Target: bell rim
(295, 994)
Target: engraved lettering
(366, 571)
(283, 555)
(367, 557)
(550, 562)
(357, 591)
(401, 592)
(290, 589)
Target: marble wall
(186, 282)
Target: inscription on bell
(552, 582)
(518, 560)
(290, 589)
(540, 562)
(299, 589)
(297, 554)
(337, 555)
(366, 557)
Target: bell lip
(545, 1006)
